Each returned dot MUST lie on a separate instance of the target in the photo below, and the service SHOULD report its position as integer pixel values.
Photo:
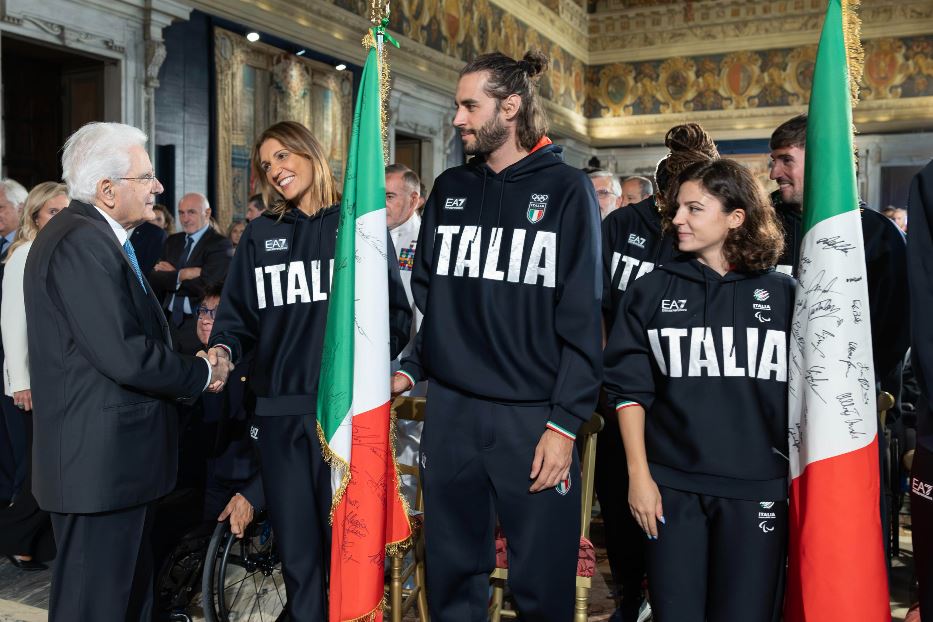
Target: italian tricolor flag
(836, 562)
(354, 397)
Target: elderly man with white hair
(12, 197)
(104, 380)
(608, 191)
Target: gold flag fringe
(334, 462)
(397, 548)
(371, 616)
(855, 55)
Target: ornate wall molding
(623, 33)
(870, 116)
(568, 27)
(66, 35)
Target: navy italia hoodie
(274, 306)
(507, 275)
(706, 357)
(920, 272)
(633, 246)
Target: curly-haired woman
(696, 365)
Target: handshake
(221, 366)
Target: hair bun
(535, 62)
(689, 143)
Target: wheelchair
(236, 580)
(242, 578)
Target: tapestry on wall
(258, 85)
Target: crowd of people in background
(673, 482)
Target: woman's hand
(23, 400)
(644, 500)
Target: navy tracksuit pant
(476, 460)
(296, 481)
(921, 518)
(717, 559)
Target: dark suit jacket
(212, 254)
(148, 240)
(104, 376)
(216, 449)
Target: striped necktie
(131, 254)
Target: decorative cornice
(869, 116)
(568, 28)
(723, 26)
(66, 35)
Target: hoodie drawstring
(501, 193)
(732, 351)
(482, 203)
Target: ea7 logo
(921, 488)
(634, 240)
(280, 244)
(455, 203)
(673, 306)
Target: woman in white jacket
(25, 530)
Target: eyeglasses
(148, 179)
(605, 193)
(210, 312)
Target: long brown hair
(759, 241)
(508, 76)
(299, 140)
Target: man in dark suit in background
(191, 260)
(255, 207)
(104, 380)
(148, 240)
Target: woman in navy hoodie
(696, 364)
(274, 308)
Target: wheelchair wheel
(180, 575)
(242, 579)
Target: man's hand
(240, 512)
(189, 273)
(220, 361)
(221, 366)
(400, 384)
(164, 266)
(551, 464)
(23, 399)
